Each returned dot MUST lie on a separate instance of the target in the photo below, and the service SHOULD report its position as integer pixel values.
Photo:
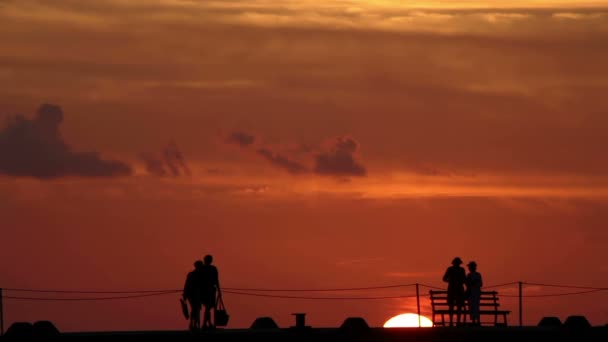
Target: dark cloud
(277, 159)
(281, 161)
(169, 162)
(242, 139)
(154, 164)
(339, 160)
(35, 148)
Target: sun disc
(408, 320)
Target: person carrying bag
(221, 315)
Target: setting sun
(408, 320)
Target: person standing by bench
(455, 277)
(474, 284)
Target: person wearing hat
(455, 277)
(474, 284)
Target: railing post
(1, 313)
(418, 304)
(520, 304)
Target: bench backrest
(439, 299)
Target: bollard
(577, 322)
(264, 323)
(300, 320)
(355, 325)
(550, 322)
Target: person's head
(198, 264)
(208, 259)
(472, 266)
(457, 261)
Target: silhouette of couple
(202, 285)
(457, 280)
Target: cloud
(336, 160)
(339, 160)
(170, 162)
(242, 139)
(35, 148)
(281, 161)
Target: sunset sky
(304, 144)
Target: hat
(457, 261)
(472, 264)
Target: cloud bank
(35, 148)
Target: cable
(278, 296)
(88, 292)
(323, 290)
(485, 287)
(500, 285)
(227, 288)
(314, 298)
(568, 286)
(146, 293)
(555, 294)
(89, 298)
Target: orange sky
(317, 144)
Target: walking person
(210, 287)
(192, 293)
(455, 277)
(474, 283)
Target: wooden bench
(488, 306)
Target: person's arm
(217, 283)
(186, 286)
(446, 276)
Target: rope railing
(129, 294)
(224, 288)
(89, 298)
(317, 298)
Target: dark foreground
(469, 334)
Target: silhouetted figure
(194, 295)
(210, 286)
(474, 284)
(455, 277)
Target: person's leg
(459, 308)
(451, 311)
(192, 325)
(475, 308)
(207, 319)
(196, 317)
(450, 307)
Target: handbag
(221, 315)
(184, 307)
